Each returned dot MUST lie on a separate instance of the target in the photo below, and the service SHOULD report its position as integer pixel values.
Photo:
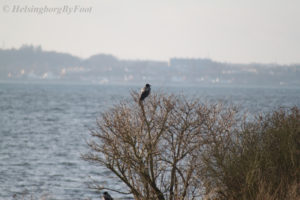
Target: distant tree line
(32, 63)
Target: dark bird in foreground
(145, 91)
(107, 196)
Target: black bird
(145, 91)
(107, 196)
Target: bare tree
(154, 146)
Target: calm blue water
(44, 128)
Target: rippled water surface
(44, 128)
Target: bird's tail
(140, 102)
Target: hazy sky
(238, 31)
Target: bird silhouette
(106, 196)
(145, 91)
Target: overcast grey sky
(240, 31)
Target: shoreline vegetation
(171, 147)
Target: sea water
(44, 129)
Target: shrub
(261, 161)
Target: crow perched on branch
(145, 91)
